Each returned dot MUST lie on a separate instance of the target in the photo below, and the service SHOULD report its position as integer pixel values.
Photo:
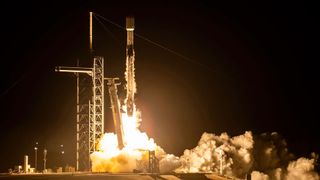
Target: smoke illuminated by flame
(265, 156)
(109, 158)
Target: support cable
(157, 44)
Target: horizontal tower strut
(74, 69)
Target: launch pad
(112, 176)
(126, 153)
(127, 149)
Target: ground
(106, 176)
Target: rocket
(129, 74)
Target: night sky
(244, 67)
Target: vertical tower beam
(92, 133)
(130, 77)
(78, 120)
(84, 154)
(90, 33)
(85, 95)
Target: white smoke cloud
(265, 157)
(302, 169)
(168, 163)
(270, 152)
(234, 153)
(256, 175)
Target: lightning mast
(129, 74)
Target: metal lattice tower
(84, 94)
(98, 96)
(90, 114)
(91, 125)
(91, 129)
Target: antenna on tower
(90, 34)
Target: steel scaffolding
(84, 94)
(90, 118)
(98, 97)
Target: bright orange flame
(109, 158)
(135, 139)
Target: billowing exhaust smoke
(264, 157)
(221, 154)
(301, 169)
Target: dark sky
(248, 67)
